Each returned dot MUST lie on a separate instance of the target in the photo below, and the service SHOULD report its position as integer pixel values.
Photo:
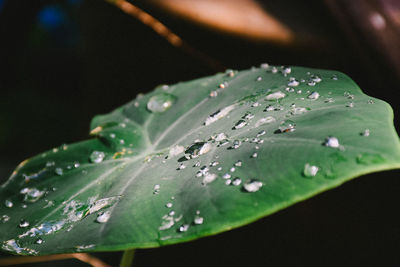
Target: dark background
(62, 62)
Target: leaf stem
(127, 258)
(165, 32)
(84, 257)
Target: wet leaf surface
(195, 159)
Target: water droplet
(59, 171)
(97, 156)
(311, 83)
(222, 143)
(226, 176)
(4, 218)
(248, 116)
(197, 149)
(265, 120)
(198, 220)
(50, 163)
(275, 96)
(232, 169)
(112, 135)
(350, 105)
(32, 194)
(103, 217)
(13, 246)
(44, 229)
(222, 85)
(168, 205)
(160, 102)
(264, 65)
(261, 133)
(252, 186)
(171, 213)
(23, 224)
(214, 163)
(168, 222)
(84, 247)
(239, 124)
(329, 100)
(209, 178)
(274, 70)
(156, 189)
(365, 133)
(203, 171)
(293, 82)
(197, 164)
(259, 78)
(331, 141)
(101, 203)
(8, 203)
(256, 104)
(348, 95)
(371, 101)
(269, 108)
(228, 182)
(76, 164)
(316, 78)
(184, 228)
(287, 126)
(286, 70)
(39, 241)
(237, 181)
(220, 137)
(238, 163)
(334, 77)
(181, 166)
(236, 144)
(230, 73)
(310, 170)
(313, 96)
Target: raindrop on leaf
(8, 203)
(97, 156)
(160, 102)
(252, 186)
(23, 224)
(310, 170)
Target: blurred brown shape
(165, 32)
(373, 24)
(245, 18)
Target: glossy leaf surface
(195, 159)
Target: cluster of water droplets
(248, 129)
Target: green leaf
(197, 158)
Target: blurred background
(62, 62)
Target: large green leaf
(160, 171)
